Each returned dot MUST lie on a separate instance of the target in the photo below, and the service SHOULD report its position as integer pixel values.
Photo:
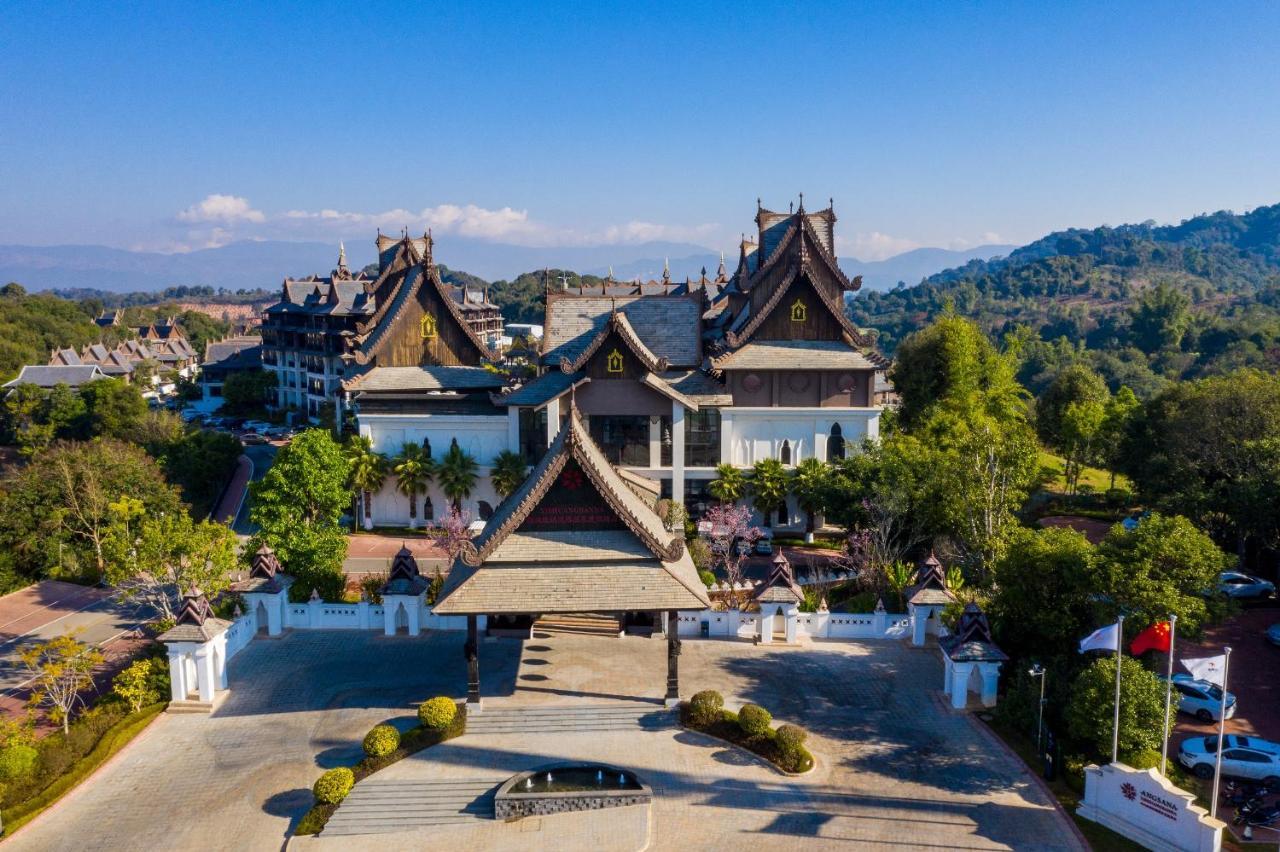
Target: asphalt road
(262, 455)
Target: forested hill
(1142, 304)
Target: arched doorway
(779, 625)
(260, 615)
(402, 620)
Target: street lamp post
(1039, 671)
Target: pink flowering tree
(452, 531)
(729, 533)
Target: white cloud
(873, 246)
(222, 208)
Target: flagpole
(1222, 729)
(1115, 727)
(1168, 697)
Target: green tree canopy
(1072, 385)
(1091, 710)
(297, 507)
(113, 409)
(730, 484)
(1160, 318)
(457, 475)
(768, 486)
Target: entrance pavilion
(575, 537)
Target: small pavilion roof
(196, 621)
(780, 586)
(405, 578)
(972, 642)
(265, 574)
(931, 585)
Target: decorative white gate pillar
(968, 648)
(406, 590)
(266, 592)
(197, 646)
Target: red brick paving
(27, 609)
(1093, 529)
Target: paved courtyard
(896, 768)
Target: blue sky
(174, 126)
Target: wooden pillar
(673, 658)
(472, 649)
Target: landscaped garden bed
(750, 728)
(383, 746)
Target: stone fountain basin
(573, 787)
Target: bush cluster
(381, 741)
(754, 720)
(437, 713)
(333, 786)
(18, 761)
(705, 707)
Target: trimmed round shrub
(705, 707)
(18, 761)
(333, 786)
(381, 741)
(790, 737)
(437, 713)
(754, 720)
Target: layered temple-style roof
(931, 585)
(574, 537)
(538, 392)
(619, 325)
(668, 326)
(780, 587)
(265, 574)
(405, 578)
(48, 377)
(196, 621)
(972, 642)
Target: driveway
(896, 768)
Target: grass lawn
(1052, 467)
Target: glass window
(702, 438)
(784, 455)
(533, 434)
(624, 439)
(835, 443)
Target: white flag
(1207, 668)
(1103, 639)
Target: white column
(205, 676)
(513, 428)
(221, 660)
(793, 623)
(177, 675)
(553, 420)
(655, 441)
(919, 620)
(990, 682)
(726, 436)
(960, 684)
(677, 453)
(946, 675)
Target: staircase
(579, 624)
(569, 719)
(379, 807)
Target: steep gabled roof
(668, 325)
(780, 586)
(624, 559)
(931, 585)
(47, 377)
(619, 324)
(972, 640)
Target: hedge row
(115, 738)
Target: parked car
(252, 438)
(1198, 755)
(1273, 634)
(1233, 584)
(1242, 741)
(764, 544)
(1201, 698)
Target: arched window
(835, 443)
(426, 447)
(428, 510)
(784, 455)
(784, 517)
(486, 511)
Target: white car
(1201, 698)
(1233, 584)
(1198, 755)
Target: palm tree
(730, 484)
(809, 484)
(457, 475)
(508, 472)
(768, 486)
(368, 470)
(414, 471)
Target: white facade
(749, 435)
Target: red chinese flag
(1154, 638)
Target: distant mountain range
(250, 265)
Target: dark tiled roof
(425, 378)
(931, 585)
(541, 390)
(668, 325)
(972, 640)
(796, 355)
(47, 377)
(698, 386)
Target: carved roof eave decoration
(832, 264)
(456, 313)
(573, 442)
(617, 322)
(406, 256)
